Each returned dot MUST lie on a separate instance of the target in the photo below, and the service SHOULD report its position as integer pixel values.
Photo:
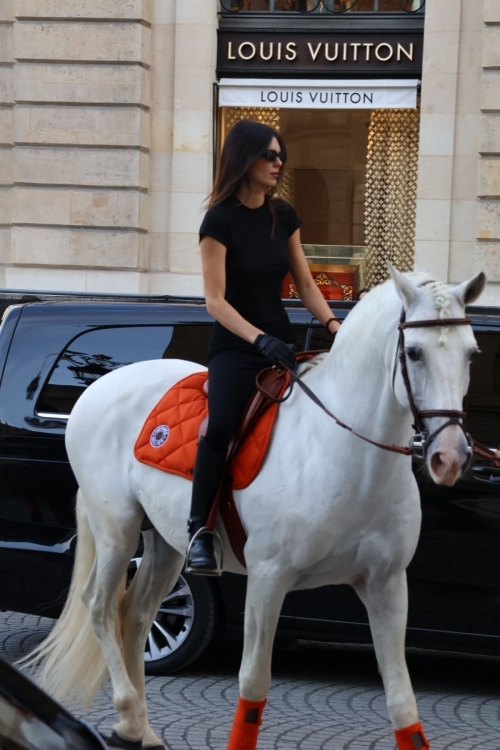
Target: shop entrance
(352, 176)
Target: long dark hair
(245, 142)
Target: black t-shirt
(255, 265)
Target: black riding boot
(208, 471)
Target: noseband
(421, 441)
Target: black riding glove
(276, 350)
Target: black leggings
(231, 382)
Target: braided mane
(441, 295)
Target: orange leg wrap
(411, 738)
(246, 724)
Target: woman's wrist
(329, 322)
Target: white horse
(326, 507)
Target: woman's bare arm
(213, 260)
(306, 287)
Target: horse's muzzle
(449, 459)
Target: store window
(351, 175)
(324, 179)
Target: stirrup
(206, 571)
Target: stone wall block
(157, 257)
(133, 10)
(488, 220)
(6, 126)
(204, 11)
(54, 246)
(490, 91)
(55, 279)
(441, 51)
(92, 208)
(461, 261)
(191, 47)
(4, 244)
(489, 134)
(6, 96)
(5, 166)
(93, 126)
(185, 253)
(470, 51)
(5, 205)
(487, 259)
(84, 84)
(116, 281)
(90, 42)
(190, 284)
(443, 16)
(470, 14)
(85, 166)
(491, 47)
(491, 12)
(6, 42)
(488, 178)
(7, 10)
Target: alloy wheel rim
(173, 622)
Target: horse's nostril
(437, 463)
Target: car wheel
(184, 626)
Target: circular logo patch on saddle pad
(159, 436)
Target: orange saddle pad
(169, 437)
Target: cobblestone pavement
(322, 697)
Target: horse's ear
(469, 291)
(404, 287)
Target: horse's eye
(413, 354)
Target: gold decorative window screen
(391, 191)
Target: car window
(97, 352)
(483, 397)
(320, 338)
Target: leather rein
(420, 442)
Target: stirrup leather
(206, 571)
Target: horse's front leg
(387, 605)
(265, 594)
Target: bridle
(420, 442)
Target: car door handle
(486, 473)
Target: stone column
(194, 27)
(487, 252)
(437, 136)
(81, 141)
(6, 118)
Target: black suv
(51, 351)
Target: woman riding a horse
(249, 241)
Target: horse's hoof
(116, 741)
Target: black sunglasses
(272, 155)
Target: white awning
(318, 94)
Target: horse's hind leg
(265, 594)
(159, 569)
(114, 548)
(387, 606)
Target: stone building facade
(107, 143)
(458, 194)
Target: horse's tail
(70, 658)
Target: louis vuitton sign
(303, 93)
(382, 53)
